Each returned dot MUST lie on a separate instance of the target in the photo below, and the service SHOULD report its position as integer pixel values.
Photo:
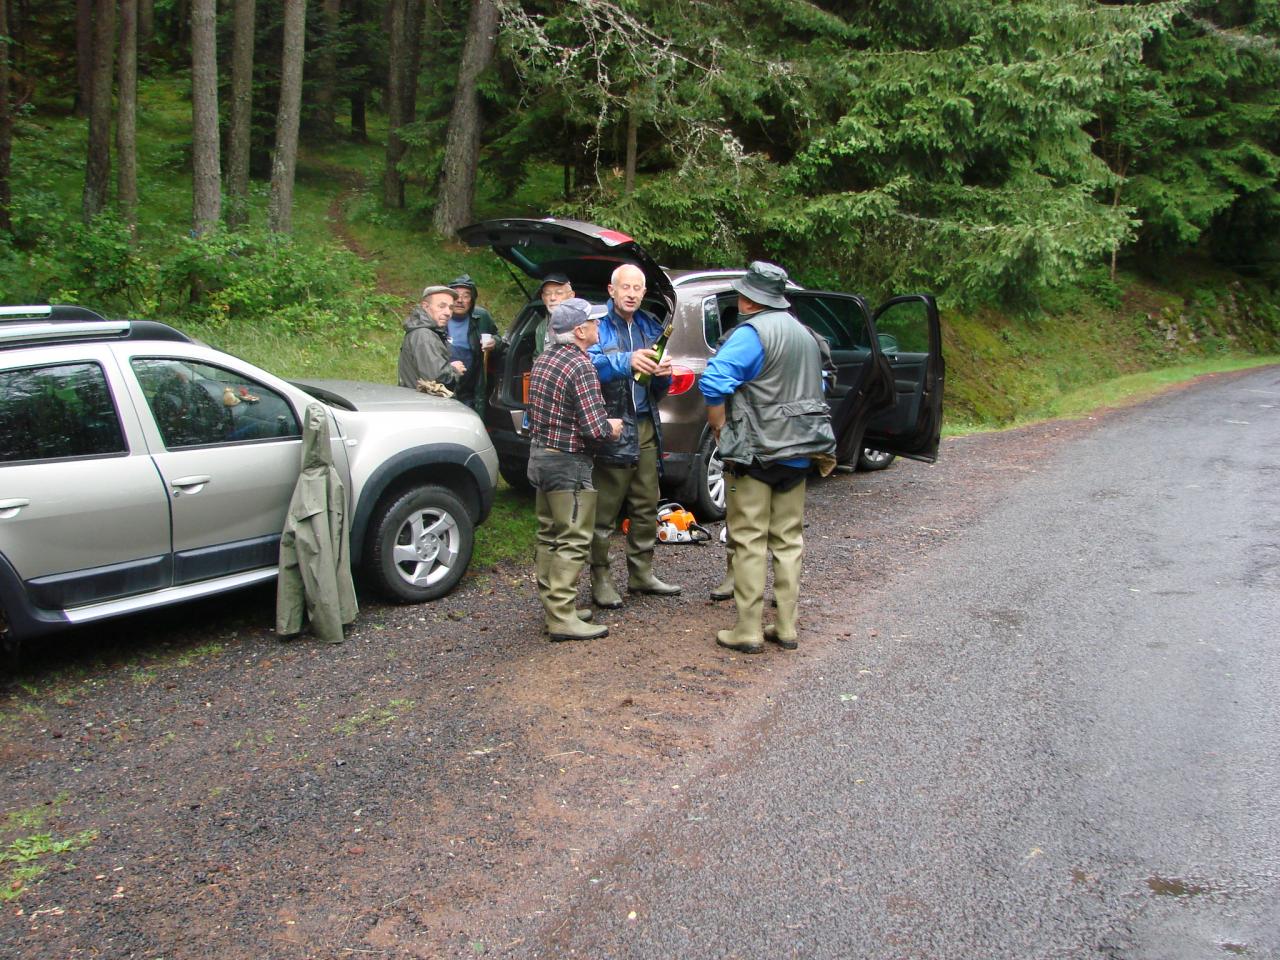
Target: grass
(26, 857)
(508, 534)
(372, 717)
(1116, 392)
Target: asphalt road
(1063, 741)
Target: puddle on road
(1177, 887)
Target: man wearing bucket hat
(472, 336)
(566, 411)
(555, 288)
(763, 390)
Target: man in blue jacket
(626, 470)
(765, 405)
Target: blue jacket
(612, 360)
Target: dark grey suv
(888, 390)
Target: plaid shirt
(565, 405)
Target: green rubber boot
(573, 513)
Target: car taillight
(682, 380)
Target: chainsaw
(677, 525)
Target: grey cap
(764, 284)
(573, 313)
(430, 291)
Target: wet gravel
(434, 786)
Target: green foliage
(897, 146)
(224, 278)
(1192, 129)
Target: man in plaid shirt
(566, 411)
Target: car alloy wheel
(871, 459)
(422, 543)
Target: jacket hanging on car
(315, 555)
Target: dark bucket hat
(764, 284)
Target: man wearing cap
(566, 411)
(424, 352)
(472, 335)
(764, 403)
(555, 288)
(626, 471)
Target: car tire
(420, 543)
(517, 477)
(870, 459)
(705, 488)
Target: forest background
(1089, 188)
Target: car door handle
(9, 508)
(189, 484)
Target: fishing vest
(780, 414)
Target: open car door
(863, 386)
(909, 337)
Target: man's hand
(615, 427)
(715, 419)
(459, 366)
(642, 361)
(664, 367)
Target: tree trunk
(239, 139)
(327, 69)
(629, 178)
(146, 28)
(462, 146)
(127, 118)
(397, 50)
(359, 126)
(359, 94)
(206, 172)
(285, 160)
(6, 124)
(414, 16)
(84, 57)
(97, 171)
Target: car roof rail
(42, 323)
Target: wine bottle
(659, 348)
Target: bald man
(625, 473)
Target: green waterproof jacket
(315, 556)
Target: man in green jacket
(472, 338)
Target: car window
(904, 327)
(196, 404)
(839, 319)
(711, 320)
(724, 310)
(56, 411)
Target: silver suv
(139, 467)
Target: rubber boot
(725, 590)
(603, 592)
(640, 575)
(786, 543)
(749, 531)
(541, 557)
(572, 513)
